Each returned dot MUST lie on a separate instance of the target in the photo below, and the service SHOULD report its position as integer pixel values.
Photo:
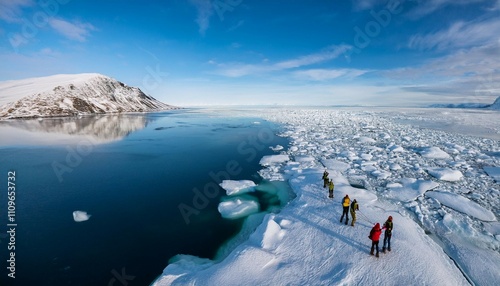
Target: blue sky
(198, 52)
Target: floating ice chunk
(237, 187)
(462, 204)
(366, 157)
(395, 167)
(238, 208)
(381, 174)
(334, 165)
(492, 227)
(273, 159)
(277, 148)
(445, 174)
(493, 172)
(409, 189)
(434, 153)
(366, 140)
(79, 216)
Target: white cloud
(205, 11)
(467, 73)
(459, 35)
(426, 7)
(73, 31)
(11, 10)
(328, 74)
(238, 70)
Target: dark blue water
(132, 174)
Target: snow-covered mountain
(72, 94)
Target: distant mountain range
(495, 105)
(71, 95)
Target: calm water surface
(130, 173)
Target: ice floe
(80, 216)
(238, 207)
(462, 204)
(233, 187)
(445, 174)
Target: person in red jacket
(375, 237)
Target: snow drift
(70, 95)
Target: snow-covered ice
(233, 187)
(237, 207)
(408, 189)
(79, 216)
(461, 204)
(273, 159)
(494, 172)
(393, 162)
(434, 153)
(445, 174)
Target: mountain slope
(496, 104)
(70, 95)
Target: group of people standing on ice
(352, 207)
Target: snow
(273, 159)
(434, 153)
(80, 216)
(70, 95)
(462, 204)
(409, 189)
(392, 162)
(445, 174)
(493, 172)
(238, 207)
(237, 187)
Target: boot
(389, 249)
(383, 249)
(352, 224)
(371, 252)
(376, 255)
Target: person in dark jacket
(346, 202)
(325, 179)
(387, 234)
(354, 208)
(375, 237)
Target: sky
(238, 52)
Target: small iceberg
(233, 187)
(238, 208)
(79, 216)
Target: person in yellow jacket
(346, 202)
(330, 189)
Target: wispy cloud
(238, 69)
(11, 10)
(74, 31)
(360, 5)
(426, 7)
(459, 35)
(205, 11)
(462, 74)
(327, 74)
